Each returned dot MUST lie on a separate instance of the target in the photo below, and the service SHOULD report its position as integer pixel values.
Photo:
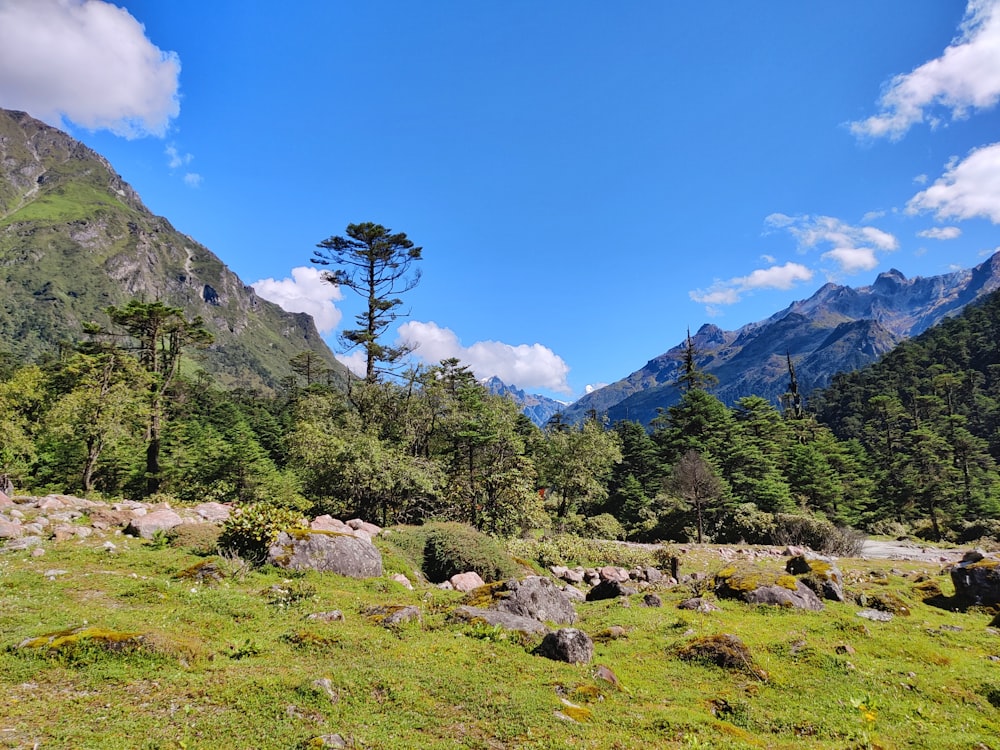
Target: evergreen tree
(376, 264)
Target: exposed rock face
(568, 645)
(326, 551)
(838, 329)
(75, 238)
(977, 579)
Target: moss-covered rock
(724, 650)
(62, 641)
(755, 586)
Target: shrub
(454, 548)
(567, 549)
(199, 538)
(252, 529)
(603, 526)
(818, 534)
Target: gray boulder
(159, 520)
(802, 598)
(329, 552)
(567, 644)
(610, 589)
(977, 579)
(535, 597)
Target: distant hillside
(75, 238)
(539, 409)
(838, 329)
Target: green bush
(199, 538)
(818, 534)
(603, 526)
(252, 529)
(453, 548)
(568, 549)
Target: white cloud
(968, 189)
(523, 365)
(729, 292)
(304, 292)
(965, 77)
(175, 158)
(590, 388)
(852, 248)
(852, 259)
(356, 361)
(941, 233)
(89, 61)
(192, 179)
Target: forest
(907, 446)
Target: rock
(214, 512)
(698, 604)
(977, 579)
(534, 596)
(610, 590)
(369, 529)
(402, 581)
(755, 587)
(652, 600)
(334, 615)
(567, 644)
(613, 573)
(652, 575)
(106, 518)
(466, 582)
(845, 648)
(325, 685)
(390, 615)
(23, 543)
(819, 573)
(327, 552)
(328, 741)
(875, 615)
(147, 525)
(725, 650)
(573, 593)
(5, 501)
(10, 530)
(505, 620)
(606, 674)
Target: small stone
(875, 615)
(334, 615)
(567, 644)
(652, 600)
(38, 552)
(845, 648)
(402, 581)
(466, 582)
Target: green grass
(234, 665)
(69, 202)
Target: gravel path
(910, 551)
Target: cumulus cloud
(192, 179)
(969, 188)
(356, 361)
(591, 387)
(88, 61)
(965, 77)
(730, 292)
(851, 248)
(941, 233)
(523, 365)
(304, 292)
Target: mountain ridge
(838, 328)
(76, 238)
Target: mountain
(75, 238)
(539, 409)
(838, 329)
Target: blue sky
(587, 179)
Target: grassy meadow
(236, 663)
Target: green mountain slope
(75, 238)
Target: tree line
(911, 442)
